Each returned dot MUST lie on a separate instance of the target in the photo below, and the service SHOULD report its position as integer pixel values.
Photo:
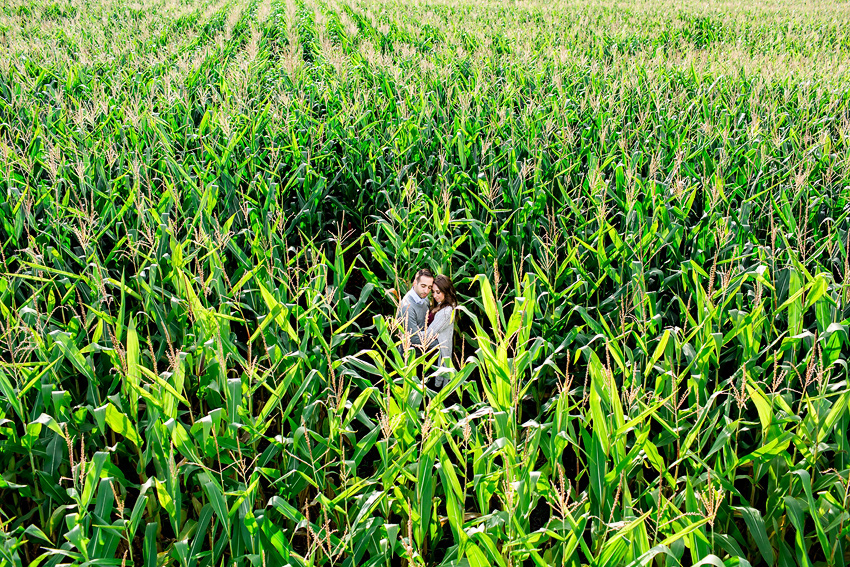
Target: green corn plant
(206, 205)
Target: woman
(441, 320)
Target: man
(413, 308)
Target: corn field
(209, 209)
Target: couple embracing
(430, 323)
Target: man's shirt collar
(418, 299)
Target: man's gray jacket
(413, 315)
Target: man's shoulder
(408, 301)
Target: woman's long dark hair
(444, 284)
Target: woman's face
(439, 296)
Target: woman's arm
(442, 320)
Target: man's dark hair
(423, 272)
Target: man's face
(422, 286)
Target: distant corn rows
(206, 209)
